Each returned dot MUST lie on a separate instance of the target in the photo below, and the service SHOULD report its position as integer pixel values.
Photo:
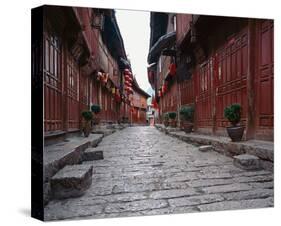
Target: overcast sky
(135, 31)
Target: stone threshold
(261, 149)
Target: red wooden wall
(230, 77)
(264, 79)
(223, 79)
(53, 83)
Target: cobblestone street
(146, 172)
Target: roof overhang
(164, 42)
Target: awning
(165, 41)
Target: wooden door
(73, 93)
(264, 80)
(203, 97)
(231, 68)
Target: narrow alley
(145, 172)
(148, 113)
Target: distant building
(138, 104)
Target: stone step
(91, 154)
(71, 181)
(247, 162)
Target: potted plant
(166, 119)
(187, 115)
(172, 119)
(87, 116)
(233, 114)
(95, 108)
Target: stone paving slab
(146, 172)
(241, 204)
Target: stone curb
(224, 146)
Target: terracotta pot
(173, 123)
(187, 126)
(235, 132)
(87, 128)
(166, 123)
(96, 120)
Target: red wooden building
(83, 64)
(138, 104)
(219, 61)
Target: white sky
(135, 31)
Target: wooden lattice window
(52, 82)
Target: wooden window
(52, 82)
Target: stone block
(205, 148)
(71, 181)
(247, 162)
(91, 154)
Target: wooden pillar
(65, 98)
(250, 127)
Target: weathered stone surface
(209, 182)
(46, 193)
(241, 204)
(91, 154)
(57, 156)
(146, 172)
(252, 194)
(267, 165)
(126, 197)
(247, 162)
(262, 149)
(71, 181)
(226, 188)
(195, 200)
(205, 148)
(173, 193)
(135, 206)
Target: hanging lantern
(113, 90)
(127, 77)
(126, 71)
(172, 69)
(127, 83)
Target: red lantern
(127, 77)
(128, 84)
(172, 69)
(126, 71)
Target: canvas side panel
(37, 208)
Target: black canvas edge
(37, 141)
